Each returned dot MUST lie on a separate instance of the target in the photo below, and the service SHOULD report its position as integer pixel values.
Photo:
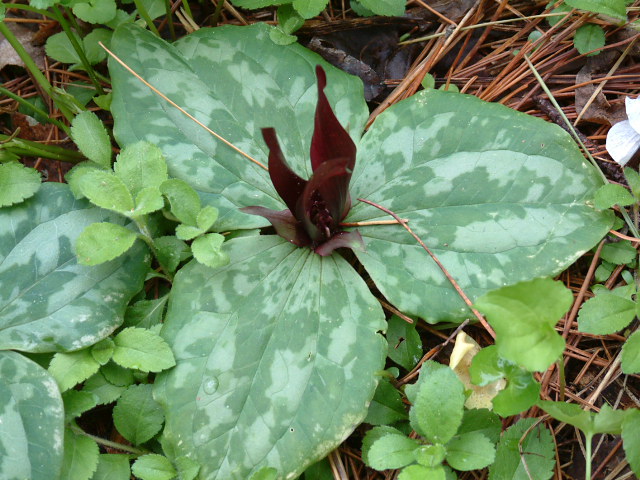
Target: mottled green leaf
(153, 467)
(72, 368)
(470, 451)
(141, 165)
(32, 416)
(207, 250)
(47, 301)
(537, 458)
(293, 373)
(17, 183)
(103, 241)
(439, 406)
(589, 37)
(631, 439)
(80, 456)
(251, 87)
(630, 360)
(92, 138)
(509, 204)
(112, 466)
(141, 349)
(137, 416)
(524, 316)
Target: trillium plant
(272, 345)
(315, 206)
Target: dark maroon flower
(318, 205)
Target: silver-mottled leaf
(497, 195)
(236, 81)
(276, 358)
(31, 420)
(47, 301)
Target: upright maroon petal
(329, 139)
(287, 183)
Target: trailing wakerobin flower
(316, 206)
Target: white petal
(622, 142)
(633, 112)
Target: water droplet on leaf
(210, 386)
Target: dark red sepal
(352, 240)
(329, 139)
(284, 222)
(286, 182)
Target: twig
(463, 295)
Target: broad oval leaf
(276, 358)
(47, 301)
(254, 84)
(32, 419)
(499, 196)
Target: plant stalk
(28, 148)
(146, 17)
(35, 109)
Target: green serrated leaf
(141, 349)
(171, 251)
(537, 446)
(117, 375)
(77, 402)
(483, 421)
(391, 451)
(80, 456)
(521, 393)
(207, 250)
(153, 467)
(420, 472)
(430, 455)
(613, 8)
(289, 20)
(145, 313)
(387, 405)
(187, 468)
(95, 11)
(104, 391)
(606, 313)
(439, 406)
(184, 200)
(103, 241)
(17, 183)
(148, 200)
(137, 416)
(102, 351)
(92, 138)
(630, 360)
(405, 346)
(605, 421)
(631, 439)
(589, 37)
(188, 232)
(207, 217)
(32, 416)
(619, 253)
(612, 194)
(105, 190)
(72, 368)
(112, 466)
(524, 316)
(141, 165)
(309, 8)
(470, 451)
